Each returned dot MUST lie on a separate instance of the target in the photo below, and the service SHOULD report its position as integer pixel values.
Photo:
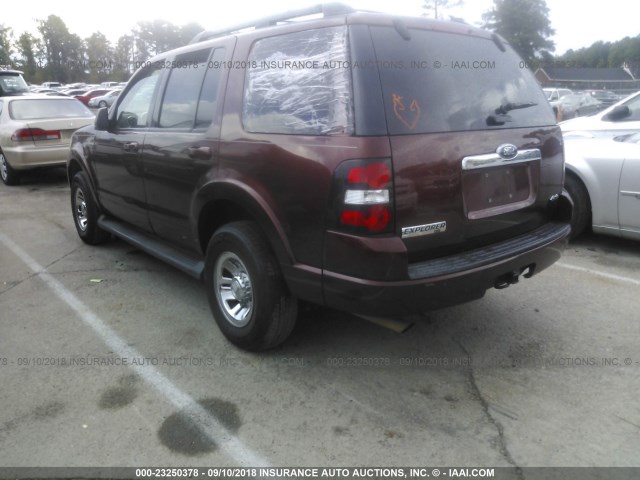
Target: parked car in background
(53, 85)
(554, 94)
(43, 90)
(576, 105)
(620, 118)
(76, 91)
(606, 97)
(96, 92)
(373, 190)
(603, 179)
(12, 83)
(35, 131)
(105, 100)
(72, 86)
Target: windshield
(444, 82)
(40, 108)
(12, 83)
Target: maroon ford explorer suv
(366, 162)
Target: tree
(436, 8)
(100, 57)
(188, 31)
(27, 46)
(524, 24)
(123, 58)
(58, 48)
(5, 45)
(155, 37)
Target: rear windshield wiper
(501, 113)
(507, 107)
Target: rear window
(11, 83)
(446, 82)
(32, 109)
(293, 86)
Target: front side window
(134, 109)
(299, 83)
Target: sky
(577, 23)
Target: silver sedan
(105, 100)
(603, 179)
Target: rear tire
(85, 211)
(581, 215)
(8, 174)
(248, 297)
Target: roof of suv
(340, 13)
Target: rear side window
(12, 83)
(446, 82)
(299, 83)
(47, 108)
(180, 100)
(208, 103)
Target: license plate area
(496, 190)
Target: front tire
(86, 211)
(581, 216)
(7, 173)
(247, 294)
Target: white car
(554, 94)
(603, 178)
(35, 131)
(619, 119)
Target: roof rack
(326, 9)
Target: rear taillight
(35, 135)
(363, 196)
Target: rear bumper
(451, 280)
(29, 156)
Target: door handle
(630, 194)
(200, 152)
(130, 147)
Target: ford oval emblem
(507, 151)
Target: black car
(605, 97)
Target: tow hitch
(511, 278)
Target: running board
(190, 265)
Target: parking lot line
(208, 424)
(610, 276)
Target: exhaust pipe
(393, 324)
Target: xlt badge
(429, 229)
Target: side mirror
(618, 113)
(102, 119)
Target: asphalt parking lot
(109, 357)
